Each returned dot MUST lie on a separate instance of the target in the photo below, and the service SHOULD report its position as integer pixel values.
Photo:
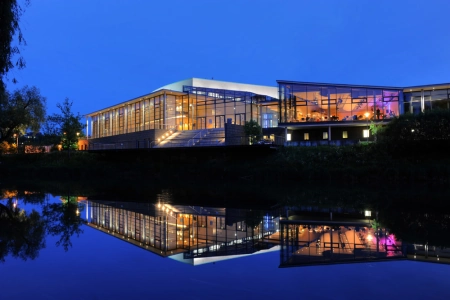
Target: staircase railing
(196, 138)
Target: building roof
(437, 86)
(271, 91)
(417, 88)
(339, 85)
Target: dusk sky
(99, 53)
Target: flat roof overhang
(339, 85)
(134, 100)
(428, 87)
(417, 88)
(302, 125)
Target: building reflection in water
(315, 242)
(196, 235)
(191, 234)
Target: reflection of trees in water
(63, 219)
(22, 234)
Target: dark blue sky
(99, 53)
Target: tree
(375, 129)
(252, 130)
(10, 13)
(23, 109)
(66, 125)
(426, 126)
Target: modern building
(197, 112)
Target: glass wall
(198, 108)
(419, 101)
(323, 103)
(213, 107)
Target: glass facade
(307, 102)
(194, 108)
(198, 108)
(416, 101)
(213, 107)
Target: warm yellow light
(366, 114)
(370, 237)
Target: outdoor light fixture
(288, 137)
(366, 114)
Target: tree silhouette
(63, 219)
(21, 234)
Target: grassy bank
(422, 162)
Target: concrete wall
(139, 139)
(235, 135)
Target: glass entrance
(201, 123)
(239, 119)
(220, 122)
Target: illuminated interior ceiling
(427, 87)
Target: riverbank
(364, 163)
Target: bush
(6, 148)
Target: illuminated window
(306, 136)
(344, 134)
(366, 133)
(325, 135)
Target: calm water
(95, 249)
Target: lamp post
(366, 114)
(17, 142)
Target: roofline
(437, 86)
(153, 94)
(426, 85)
(339, 84)
(405, 88)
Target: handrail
(195, 137)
